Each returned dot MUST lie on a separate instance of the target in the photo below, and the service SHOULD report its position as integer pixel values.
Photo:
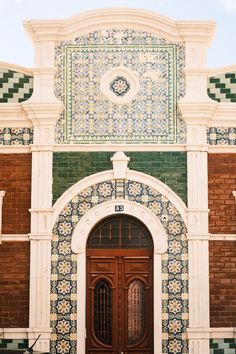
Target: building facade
(118, 189)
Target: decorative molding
(222, 70)
(89, 220)
(13, 333)
(120, 163)
(14, 67)
(222, 332)
(15, 149)
(117, 147)
(73, 266)
(222, 237)
(55, 30)
(15, 237)
(212, 149)
(108, 175)
(13, 115)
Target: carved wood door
(119, 288)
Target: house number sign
(119, 208)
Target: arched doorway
(119, 307)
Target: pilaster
(43, 110)
(197, 110)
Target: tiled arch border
(79, 200)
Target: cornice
(224, 115)
(222, 70)
(197, 31)
(13, 115)
(14, 67)
(54, 30)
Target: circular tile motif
(120, 85)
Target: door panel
(119, 301)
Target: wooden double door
(119, 310)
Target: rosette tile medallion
(120, 86)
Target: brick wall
(14, 284)
(169, 167)
(15, 179)
(222, 257)
(222, 181)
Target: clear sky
(16, 47)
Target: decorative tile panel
(16, 136)
(15, 86)
(90, 117)
(223, 346)
(222, 88)
(174, 264)
(221, 136)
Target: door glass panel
(120, 232)
(136, 311)
(102, 311)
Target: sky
(16, 47)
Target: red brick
(14, 284)
(15, 179)
(222, 266)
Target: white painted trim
(108, 175)
(12, 115)
(222, 332)
(78, 245)
(94, 215)
(15, 237)
(222, 149)
(117, 147)
(14, 67)
(13, 333)
(195, 31)
(15, 149)
(222, 70)
(222, 237)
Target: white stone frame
(89, 220)
(78, 244)
(108, 175)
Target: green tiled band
(223, 87)
(14, 343)
(168, 167)
(14, 86)
(223, 346)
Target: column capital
(43, 113)
(197, 113)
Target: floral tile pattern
(89, 117)
(221, 136)
(16, 136)
(174, 264)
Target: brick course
(222, 258)
(14, 284)
(15, 179)
(168, 167)
(222, 181)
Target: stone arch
(98, 193)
